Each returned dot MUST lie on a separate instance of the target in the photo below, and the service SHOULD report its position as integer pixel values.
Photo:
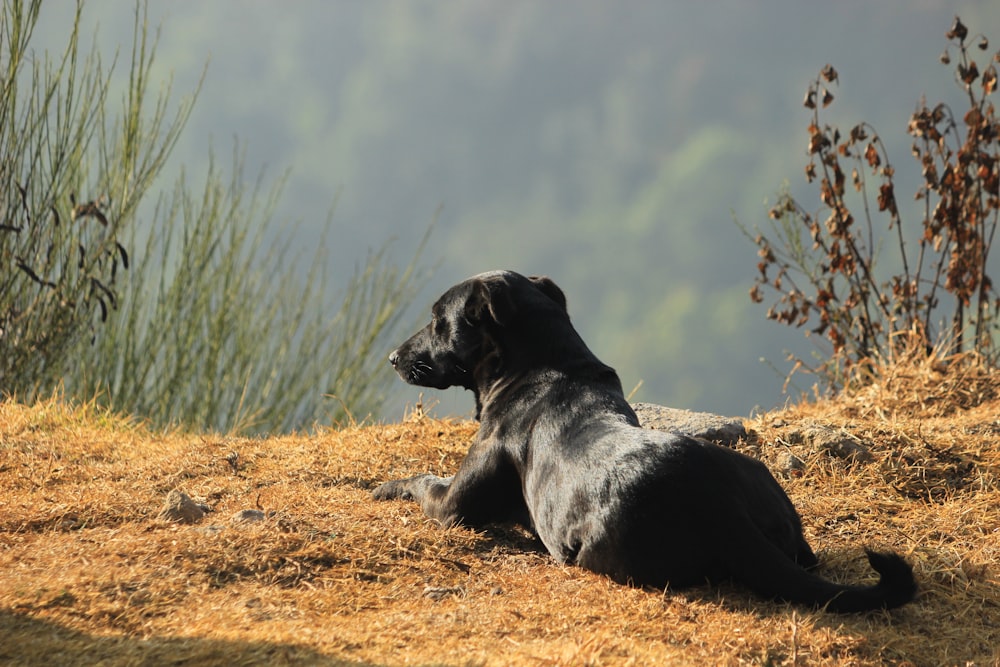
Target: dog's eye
(440, 326)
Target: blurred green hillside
(608, 145)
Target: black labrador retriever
(560, 451)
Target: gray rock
(829, 440)
(248, 516)
(723, 430)
(789, 465)
(437, 593)
(181, 508)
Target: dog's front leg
(486, 488)
(412, 488)
(430, 492)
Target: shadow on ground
(25, 640)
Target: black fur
(559, 450)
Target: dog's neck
(531, 376)
(524, 353)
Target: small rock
(437, 593)
(181, 508)
(248, 516)
(790, 465)
(723, 430)
(830, 440)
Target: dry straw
(324, 575)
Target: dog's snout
(394, 358)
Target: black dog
(559, 450)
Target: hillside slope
(89, 573)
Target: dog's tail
(779, 577)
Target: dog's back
(648, 506)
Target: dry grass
(89, 574)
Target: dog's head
(462, 342)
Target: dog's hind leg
(768, 571)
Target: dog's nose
(394, 358)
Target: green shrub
(71, 178)
(224, 328)
(216, 324)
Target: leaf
(34, 276)
(829, 73)
(827, 98)
(810, 101)
(124, 254)
(838, 180)
(989, 80)
(958, 31)
(887, 199)
(111, 295)
(945, 57)
(930, 174)
(89, 210)
(817, 142)
(810, 172)
(970, 73)
(871, 154)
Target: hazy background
(606, 144)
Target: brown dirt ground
(90, 575)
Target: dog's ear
(489, 301)
(549, 289)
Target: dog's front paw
(396, 489)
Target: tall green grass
(71, 177)
(214, 322)
(225, 327)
